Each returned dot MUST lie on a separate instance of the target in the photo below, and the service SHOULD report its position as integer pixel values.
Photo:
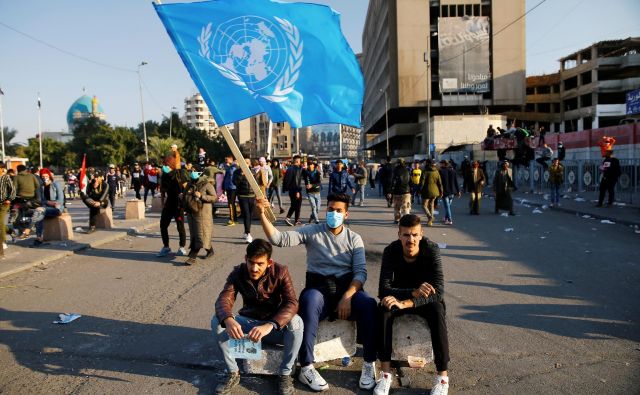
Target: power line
(64, 51)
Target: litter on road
(66, 318)
(442, 246)
(508, 229)
(504, 215)
(536, 211)
(606, 221)
(579, 199)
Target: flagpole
(40, 128)
(269, 138)
(2, 124)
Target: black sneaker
(191, 261)
(285, 385)
(227, 385)
(209, 254)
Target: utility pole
(171, 121)
(144, 127)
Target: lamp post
(2, 124)
(144, 127)
(171, 120)
(386, 117)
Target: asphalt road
(550, 307)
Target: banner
(464, 54)
(633, 102)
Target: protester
(336, 273)
(465, 168)
(246, 198)
(556, 179)
(610, 170)
(27, 185)
(373, 175)
(450, 189)
(150, 181)
(545, 156)
(292, 183)
(7, 194)
(412, 282)
(112, 180)
(202, 158)
(51, 205)
(313, 185)
(230, 188)
(174, 183)
(386, 179)
(199, 199)
(502, 186)
(542, 132)
(361, 182)
(268, 313)
(401, 191)
(265, 177)
(274, 187)
(430, 190)
(416, 175)
(474, 181)
(339, 181)
(136, 180)
(72, 182)
(95, 198)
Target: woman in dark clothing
(247, 200)
(96, 198)
(502, 186)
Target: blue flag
(247, 57)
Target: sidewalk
(20, 256)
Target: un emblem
(256, 54)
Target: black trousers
(434, 313)
(607, 186)
(296, 204)
(112, 197)
(231, 203)
(171, 211)
(136, 187)
(246, 206)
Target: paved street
(549, 307)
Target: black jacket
(292, 179)
(400, 181)
(243, 188)
(314, 179)
(610, 169)
(449, 181)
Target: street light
(171, 120)
(144, 127)
(427, 139)
(386, 117)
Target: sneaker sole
(311, 388)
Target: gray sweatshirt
(327, 254)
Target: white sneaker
(383, 385)
(181, 252)
(440, 386)
(310, 376)
(368, 375)
(5, 246)
(164, 252)
(249, 239)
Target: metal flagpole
(269, 138)
(2, 123)
(144, 126)
(40, 128)
(298, 141)
(340, 140)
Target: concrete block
(134, 209)
(58, 228)
(104, 220)
(156, 205)
(411, 336)
(268, 365)
(335, 340)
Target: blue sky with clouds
(122, 33)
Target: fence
(579, 176)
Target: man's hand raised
(261, 205)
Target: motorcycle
(20, 216)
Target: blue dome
(83, 105)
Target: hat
(262, 160)
(174, 145)
(112, 166)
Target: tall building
(436, 59)
(197, 115)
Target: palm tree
(159, 147)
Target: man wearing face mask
(336, 273)
(174, 181)
(199, 198)
(51, 205)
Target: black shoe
(91, 229)
(37, 243)
(281, 210)
(209, 254)
(229, 382)
(285, 385)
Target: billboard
(633, 102)
(464, 54)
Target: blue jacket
(339, 182)
(227, 181)
(56, 193)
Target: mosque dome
(83, 108)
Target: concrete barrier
(156, 205)
(104, 220)
(58, 228)
(411, 336)
(134, 209)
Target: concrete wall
(412, 43)
(509, 46)
(458, 129)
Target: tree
(10, 134)
(159, 147)
(54, 153)
(104, 144)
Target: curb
(79, 247)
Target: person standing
(313, 184)
(199, 201)
(545, 156)
(7, 194)
(465, 168)
(475, 180)
(561, 151)
(386, 179)
(339, 181)
(276, 184)
(246, 198)
(174, 183)
(230, 188)
(292, 183)
(430, 190)
(72, 183)
(136, 180)
(150, 181)
(266, 175)
(416, 175)
(112, 181)
(450, 189)
(556, 179)
(412, 282)
(27, 185)
(202, 158)
(96, 198)
(542, 132)
(401, 191)
(610, 169)
(361, 183)
(502, 186)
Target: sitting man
(52, 205)
(268, 312)
(336, 272)
(411, 282)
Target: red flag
(83, 171)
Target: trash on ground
(436, 212)
(66, 318)
(526, 205)
(536, 211)
(566, 197)
(442, 246)
(543, 237)
(594, 229)
(606, 221)
(78, 229)
(508, 229)
(141, 236)
(569, 281)
(586, 216)
(546, 196)
(545, 207)
(579, 199)
(504, 214)
(619, 204)
(416, 362)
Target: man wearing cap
(51, 205)
(112, 181)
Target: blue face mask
(334, 219)
(166, 169)
(195, 175)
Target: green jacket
(27, 185)
(430, 183)
(556, 174)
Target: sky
(117, 35)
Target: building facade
(197, 115)
(426, 58)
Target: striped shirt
(7, 190)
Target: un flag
(289, 60)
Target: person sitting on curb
(411, 282)
(51, 205)
(336, 273)
(268, 313)
(96, 198)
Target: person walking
(112, 181)
(174, 183)
(430, 190)
(610, 169)
(136, 180)
(246, 198)
(313, 184)
(385, 180)
(361, 183)
(556, 179)
(416, 175)
(292, 183)
(7, 194)
(339, 181)
(401, 191)
(96, 198)
(475, 180)
(450, 189)
(502, 186)
(199, 199)
(150, 181)
(276, 184)
(230, 188)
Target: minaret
(94, 106)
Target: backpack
(192, 204)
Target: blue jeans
(555, 193)
(314, 201)
(313, 309)
(49, 212)
(290, 337)
(359, 191)
(446, 202)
